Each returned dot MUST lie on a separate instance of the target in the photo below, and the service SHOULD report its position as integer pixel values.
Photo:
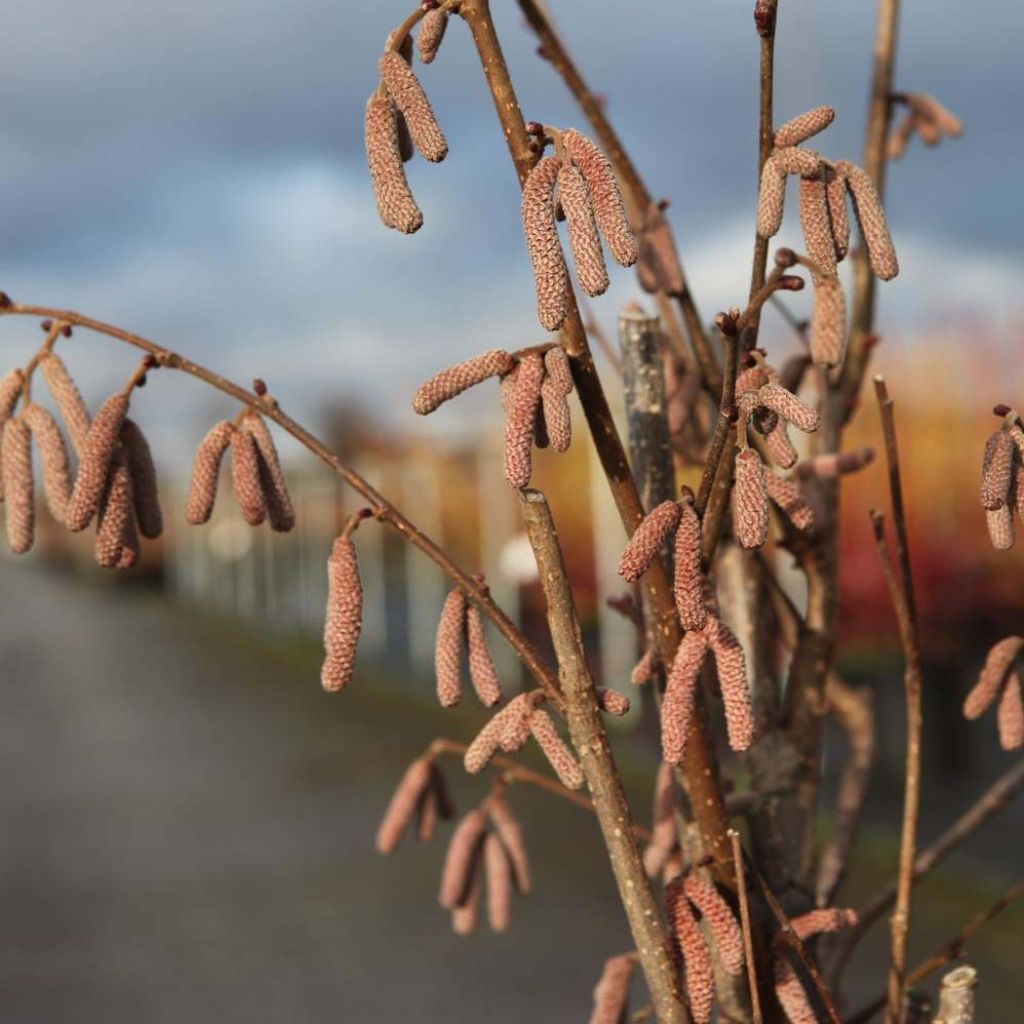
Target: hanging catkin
(550, 275)
(1000, 528)
(280, 512)
(114, 529)
(510, 833)
(68, 400)
(584, 243)
(143, 476)
(998, 663)
(54, 457)
(663, 826)
(94, 464)
(18, 485)
(344, 620)
(790, 993)
(482, 673)
(771, 199)
(513, 718)
(558, 754)
(779, 446)
(689, 580)
(395, 202)
(523, 406)
(786, 494)
(700, 977)
(498, 869)
(245, 477)
(835, 195)
(816, 226)
(804, 126)
(648, 539)
(1010, 716)
(787, 405)
(556, 419)
(202, 488)
(403, 804)
(749, 500)
(828, 322)
(870, 216)
(461, 859)
(611, 994)
(996, 470)
(804, 163)
(677, 704)
(432, 29)
(456, 379)
(731, 666)
(448, 649)
(409, 97)
(10, 389)
(721, 921)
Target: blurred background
(187, 820)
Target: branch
(591, 742)
(748, 935)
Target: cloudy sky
(195, 172)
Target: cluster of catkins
(399, 120)
(1001, 678)
(535, 389)
(461, 634)
(704, 629)
(115, 482)
(927, 118)
(1002, 479)
(578, 179)
(421, 795)
(825, 223)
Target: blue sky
(196, 173)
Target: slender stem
(383, 510)
(748, 935)
(723, 425)
(590, 740)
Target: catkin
(408, 793)
(94, 464)
(700, 977)
(816, 226)
(245, 477)
(432, 29)
(1010, 716)
(556, 419)
(10, 389)
(551, 277)
(448, 649)
(688, 585)
(658, 266)
(801, 128)
(499, 883)
(464, 915)
(522, 414)
(280, 512)
(828, 322)
(996, 470)
(787, 405)
(612, 701)
(409, 97)
(482, 672)
(395, 202)
(647, 540)
(461, 859)
(584, 242)
(558, 754)
(824, 919)
(873, 227)
(511, 721)
(18, 485)
(344, 619)
(515, 730)
(68, 400)
(721, 921)
(510, 833)
(426, 815)
(771, 199)
(456, 379)
(790, 993)
(749, 500)
(998, 664)
(779, 446)
(929, 107)
(54, 457)
(115, 515)
(751, 379)
(556, 363)
(786, 494)
(677, 704)
(202, 488)
(611, 993)
(663, 825)
(835, 194)
(139, 457)
(731, 665)
(1000, 528)
(802, 162)
(609, 209)
(896, 145)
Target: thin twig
(748, 935)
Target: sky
(195, 172)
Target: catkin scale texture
(816, 225)
(432, 29)
(68, 400)
(54, 457)
(18, 485)
(749, 500)
(550, 275)
(408, 96)
(804, 126)
(1010, 715)
(648, 539)
(873, 227)
(482, 673)
(454, 380)
(731, 666)
(677, 704)
(402, 805)
(611, 993)
(558, 754)
(688, 585)
(998, 663)
(771, 199)
(344, 619)
(584, 243)
(721, 921)
(523, 405)
(461, 859)
(115, 515)
(245, 477)
(395, 202)
(996, 470)
(278, 502)
(202, 489)
(142, 470)
(94, 465)
(828, 322)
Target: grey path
(186, 826)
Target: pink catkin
(448, 649)
(556, 363)
(996, 470)
(643, 670)
(816, 226)
(790, 993)
(609, 209)
(663, 825)
(245, 477)
(395, 202)
(771, 199)
(456, 379)
(411, 100)
(779, 446)
(549, 271)
(789, 407)
(465, 914)
(510, 833)
(896, 145)
(116, 518)
(202, 488)
(144, 482)
(721, 921)
(522, 413)
(804, 163)
(612, 701)
(280, 512)
(873, 227)
(749, 500)
(648, 539)
(751, 379)
(732, 681)
(584, 243)
(403, 803)
(432, 29)
(1010, 716)
(10, 390)
(18, 485)
(344, 619)
(700, 977)
(998, 663)
(515, 729)
(68, 401)
(557, 420)
(658, 266)
(835, 194)
(511, 721)
(482, 672)
(54, 457)
(94, 465)
(928, 106)
(828, 322)
(611, 994)
(677, 705)
(688, 585)
(825, 919)
(461, 859)
(1000, 528)
(499, 883)
(558, 754)
(786, 494)
(804, 126)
